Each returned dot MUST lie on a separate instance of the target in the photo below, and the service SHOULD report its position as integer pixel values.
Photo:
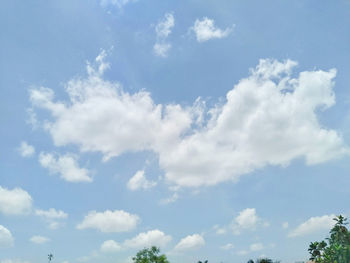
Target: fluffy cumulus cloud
(163, 30)
(15, 201)
(205, 30)
(26, 150)
(147, 239)
(190, 242)
(110, 221)
(6, 238)
(313, 225)
(66, 166)
(268, 118)
(247, 219)
(39, 239)
(110, 246)
(139, 181)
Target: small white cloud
(39, 239)
(228, 246)
(52, 217)
(110, 246)
(26, 150)
(242, 252)
(139, 181)
(313, 225)
(190, 242)
(205, 30)
(171, 199)
(256, 247)
(6, 239)
(65, 165)
(163, 30)
(51, 213)
(110, 221)
(117, 3)
(15, 202)
(285, 225)
(149, 238)
(246, 219)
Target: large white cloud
(139, 181)
(65, 165)
(110, 221)
(6, 238)
(15, 201)
(190, 242)
(147, 239)
(205, 30)
(268, 118)
(312, 225)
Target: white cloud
(312, 225)
(228, 246)
(256, 247)
(6, 238)
(247, 219)
(52, 216)
(147, 239)
(139, 181)
(205, 30)
(51, 213)
(26, 150)
(39, 239)
(163, 30)
(117, 3)
(65, 165)
(15, 202)
(171, 199)
(195, 152)
(110, 246)
(285, 225)
(110, 221)
(190, 242)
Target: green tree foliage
(336, 248)
(150, 255)
(49, 256)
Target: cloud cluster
(15, 201)
(268, 118)
(205, 30)
(110, 221)
(163, 30)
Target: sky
(215, 130)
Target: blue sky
(216, 130)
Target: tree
(263, 260)
(203, 262)
(150, 255)
(336, 248)
(50, 256)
